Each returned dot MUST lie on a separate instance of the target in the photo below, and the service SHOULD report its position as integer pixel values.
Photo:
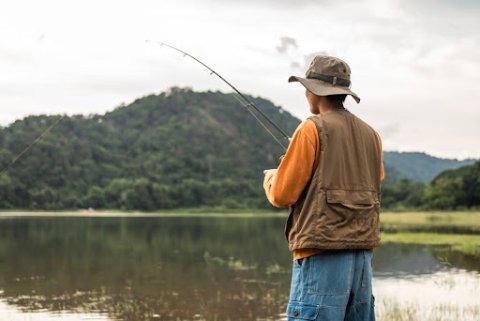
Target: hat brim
(322, 88)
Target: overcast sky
(415, 64)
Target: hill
(455, 188)
(176, 149)
(420, 167)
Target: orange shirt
(284, 185)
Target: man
(330, 177)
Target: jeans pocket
(300, 311)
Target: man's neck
(325, 107)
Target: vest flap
(347, 197)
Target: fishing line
(36, 140)
(241, 98)
(260, 121)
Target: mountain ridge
(425, 167)
(178, 148)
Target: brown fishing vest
(340, 206)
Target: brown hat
(327, 76)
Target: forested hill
(177, 149)
(420, 166)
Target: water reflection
(406, 260)
(450, 295)
(11, 312)
(165, 268)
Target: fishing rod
(244, 101)
(36, 140)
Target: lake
(201, 268)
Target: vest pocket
(350, 217)
(355, 200)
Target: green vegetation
(454, 189)
(459, 230)
(185, 149)
(402, 194)
(468, 244)
(176, 149)
(409, 220)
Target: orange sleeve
(382, 169)
(296, 168)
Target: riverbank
(166, 213)
(458, 218)
(390, 221)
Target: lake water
(200, 268)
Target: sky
(415, 64)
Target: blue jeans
(332, 286)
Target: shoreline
(139, 214)
(387, 217)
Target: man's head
(327, 76)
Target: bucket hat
(327, 76)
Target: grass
(465, 243)
(460, 230)
(429, 219)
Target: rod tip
(155, 41)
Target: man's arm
(284, 185)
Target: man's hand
(267, 180)
(269, 172)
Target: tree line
(178, 149)
(455, 189)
